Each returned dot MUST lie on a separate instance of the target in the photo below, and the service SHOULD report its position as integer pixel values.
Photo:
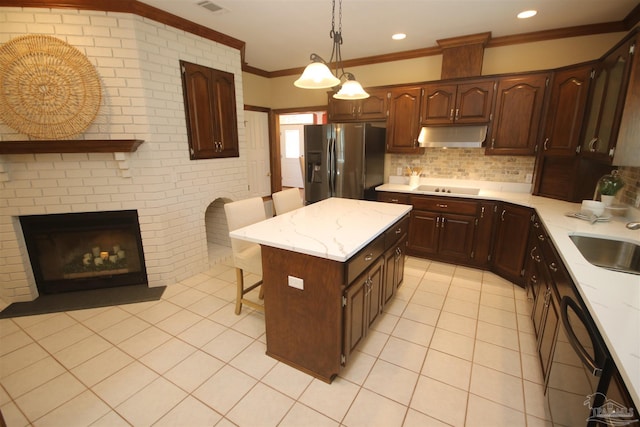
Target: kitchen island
(328, 269)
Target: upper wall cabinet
(373, 108)
(517, 113)
(463, 103)
(403, 123)
(627, 151)
(210, 108)
(606, 102)
(557, 165)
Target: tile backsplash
(473, 164)
(631, 191)
(466, 163)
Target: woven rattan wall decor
(48, 88)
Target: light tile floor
(454, 347)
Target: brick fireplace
(178, 201)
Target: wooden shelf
(70, 146)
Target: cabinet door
(403, 122)
(511, 242)
(340, 110)
(423, 232)
(363, 305)
(473, 102)
(565, 114)
(374, 107)
(200, 110)
(438, 104)
(374, 294)
(225, 114)
(541, 289)
(484, 233)
(393, 269)
(355, 321)
(516, 118)
(548, 333)
(605, 105)
(210, 109)
(456, 236)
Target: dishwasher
(574, 387)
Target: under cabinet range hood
(452, 136)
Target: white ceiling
(281, 34)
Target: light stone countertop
(612, 298)
(334, 228)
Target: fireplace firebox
(82, 251)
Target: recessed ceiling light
(399, 36)
(527, 14)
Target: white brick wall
(137, 60)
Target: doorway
(291, 144)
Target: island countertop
(333, 228)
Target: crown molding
(146, 11)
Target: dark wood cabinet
(511, 242)
(558, 153)
(363, 304)
(394, 269)
(517, 114)
(442, 228)
(395, 243)
(390, 197)
(484, 235)
(565, 110)
(210, 108)
(462, 103)
(403, 124)
(373, 108)
(606, 101)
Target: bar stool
(287, 200)
(247, 256)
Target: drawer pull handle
(368, 257)
(504, 211)
(541, 237)
(394, 200)
(553, 267)
(441, 205)
(399, 230)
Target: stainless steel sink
(607, 253)
(445, 189)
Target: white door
(291, 149)
(258, 169)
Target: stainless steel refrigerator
(343, 160)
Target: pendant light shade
(351, 89)
(317, 76)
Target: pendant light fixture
(317, 75)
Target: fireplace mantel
(70, 146)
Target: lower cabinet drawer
(365, 258)
(397, 230)
(442, 204)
